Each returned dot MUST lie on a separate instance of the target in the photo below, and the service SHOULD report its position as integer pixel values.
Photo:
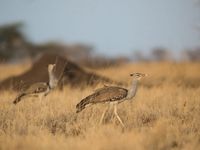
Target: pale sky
(113, 27)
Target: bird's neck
(133, 89)
(48, 84)
(52, 80)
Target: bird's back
(106, 94)
(37, 88)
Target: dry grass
(164, 114)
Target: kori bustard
(112, 95)
(41, 89)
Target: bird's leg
(111, 107)
(103, 115)
(116, 114)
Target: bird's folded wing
(107, 94)
(39, 87)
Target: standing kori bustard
(112, 95)
(41, 89)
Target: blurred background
(98, 43)
(98, 33)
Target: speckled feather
(37, 88)
(34, 89)
(103, 95)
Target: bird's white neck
(133, 89)
(52, 80)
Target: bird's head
(50, 67)
(138, 76)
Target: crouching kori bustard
(41, 89)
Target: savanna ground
(165, 114)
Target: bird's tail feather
(82, 104)
(18, 99)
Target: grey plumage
(112, 95)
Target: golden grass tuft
(163, 115)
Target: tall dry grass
(163, 115)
